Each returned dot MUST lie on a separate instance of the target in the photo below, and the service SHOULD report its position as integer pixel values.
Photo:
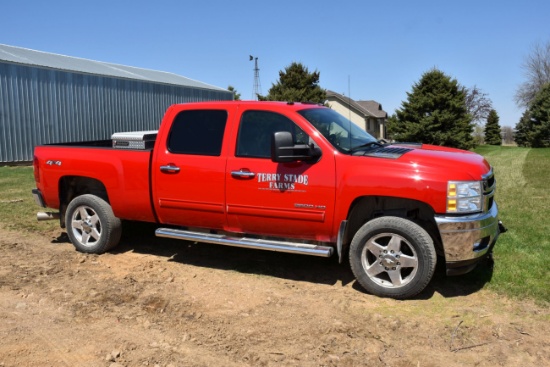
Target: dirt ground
(156, 302)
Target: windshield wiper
(367, 145)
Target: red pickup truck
(290, 177)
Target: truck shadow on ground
(140, 238)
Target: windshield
(339, 131)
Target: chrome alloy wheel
(86, 226)
(389, 260)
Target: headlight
(464, 197)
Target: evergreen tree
(296, 84)
(492, 129)
(523, 127)
(435, 113)
(392, 127)
(540, 119)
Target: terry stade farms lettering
(282, 181)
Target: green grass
(17, 207)
(522, 255)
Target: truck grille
(489, 188)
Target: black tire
(91, 224)
(392, 257)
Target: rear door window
(198, 132)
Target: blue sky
(374, 50)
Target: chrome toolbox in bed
(134, 139)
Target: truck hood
(432, 159)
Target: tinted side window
(198, 132)
(256, 130)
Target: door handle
(242, 174)
(170, 168)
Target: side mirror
(283, 149)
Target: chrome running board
(245, 242)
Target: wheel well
(73, 186)
(366, 208)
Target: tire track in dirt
(179, 304)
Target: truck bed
(93, 143)
(125, 174)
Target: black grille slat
(489, 188)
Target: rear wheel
(392, 257)
(91, 224)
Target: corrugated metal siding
(23, 56)
(42, 106)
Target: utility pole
(257, 86)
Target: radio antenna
(349, 98)
(349, 109)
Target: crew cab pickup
(290, 177)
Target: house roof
(367, 108)
(26, 56)
(374, 108)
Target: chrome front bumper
(467, 239)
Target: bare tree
(478, 104)
(479, 135)
(507, 134)
(537, 73)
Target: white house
(368, 115)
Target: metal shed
(48, 98)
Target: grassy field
(17, 207)
(522, 255)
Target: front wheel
(392, 257)
(91, 225)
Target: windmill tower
(257, 84)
